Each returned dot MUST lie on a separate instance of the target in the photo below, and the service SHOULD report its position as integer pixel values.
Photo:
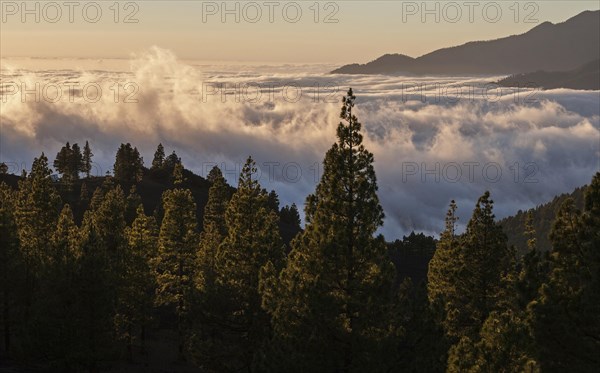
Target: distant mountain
(585, 77)
(549, 47)
(386, 64)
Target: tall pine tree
(87, 160)
(251, 253)
(565, 315)
(175, 264)
(332, 303)
(206, 335)
(137, 294)
(11, 266)
(36, 212)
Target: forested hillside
(543, 217)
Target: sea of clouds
(434, 138)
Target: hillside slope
(586, 77)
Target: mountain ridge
(547, 46)
(586, 77)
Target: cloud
(434, 139)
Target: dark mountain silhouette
(549, 47)
(585, 77)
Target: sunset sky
(194, 29)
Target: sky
(278, 31)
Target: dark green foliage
(290, 215)
(56, 310)
(178, 176)
(542, 219)
(11, 266)
(139, 283)
(95, 301)
(273, 201)
(84, 197)
(206, 336)
(86, 275)
(87, 160)
(175, 264)
(470, 282)
(159, 158)
(129, 165)
(565, 315)
(484, 259)
(133, 202)
(332, 305)
(171, 161)
(411, 256)
(445, 264)
(37, 208)
(534, 267)
(69, 162)
(423, 347)
(251, 254)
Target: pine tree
(589, 236)
(75, 161)
(128, 167)
(3, 168)
(159, 158)
(534, 267)
(69, 162)
(178, 175)
(84, 197)
(175, 265)
(10, 265)
(133, 202)
(95, 303)
(62, 162)
(273, 201)
(332, 304)
(137, 294)
(108, 218)
(214, 174)
(57, 333)
(104, 223)
(251, 253)
(484, 259)
(443, 268)
(565, 315)
(218, 199)
(87, 160)
(99, 193)
(505, 343)
(290, 215)
(205, 338)
(171, 161)
(443, 265)
(36, 213)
